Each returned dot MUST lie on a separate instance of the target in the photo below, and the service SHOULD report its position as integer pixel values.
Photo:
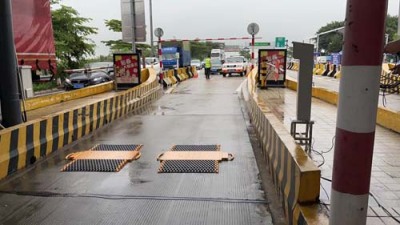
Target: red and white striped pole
(252, 52)
(356, 119)
(160, 59)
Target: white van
(218, 53)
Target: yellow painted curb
(385, 117)
(43, 101)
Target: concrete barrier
(24, 144)
(43, 101)
(296, 177)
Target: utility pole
(151, 28)
(398, 22)
(133, 26)
(9, 95)
(357, 109)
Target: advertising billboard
(271, 67)
(126, 70)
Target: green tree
(71, 37)
(391, 27)
(201, 50)
(121, 46)
(332, 42)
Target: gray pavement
(389, 101)
(385, 181)
(198, 111)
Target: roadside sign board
(280, 42)
(139, 30)
(336, 58)
(261, 44)
(126, 70)
(272, 67)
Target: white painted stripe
(358, 98)
(348, 209)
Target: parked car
(107, 67)
(197, 63)
(235, 64)
(216, 66)
(154, 63)
(81, 79)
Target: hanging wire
(321, 153)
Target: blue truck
(174, 49)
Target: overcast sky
(296, 20)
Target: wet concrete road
(198, 111)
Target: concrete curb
(47, 100)
(296, 177)
(385, 117)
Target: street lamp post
(151, 28)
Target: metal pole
(252, 51)
(317, 49)
(398, 22)
(151, 29)
(9, 95)
(133, 26)
(160, 59)
(356, 118)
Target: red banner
(33, 33)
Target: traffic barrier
(194, 71)
(177, 76)
(338, 73)
(332, 70)
(172, 77)
(296, 177)
(182, 74)
(320, 70)
(316, 66)
(24, 144)
(295, 66)
(190, 71)
(326, 70)
(290, 65)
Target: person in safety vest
(207, 66)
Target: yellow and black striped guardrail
(295, 175)
(174, 76)
(23, 144)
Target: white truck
(218, 53)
